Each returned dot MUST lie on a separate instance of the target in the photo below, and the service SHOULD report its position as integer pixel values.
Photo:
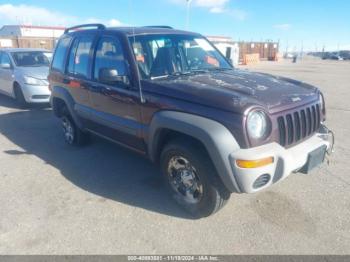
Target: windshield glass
(32, 58)
(164, 55)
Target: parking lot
(102, 199)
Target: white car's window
(31, 58)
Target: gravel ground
(102, 199)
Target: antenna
(137, 66)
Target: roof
(143, 30)
(23, 49)
(149, 30)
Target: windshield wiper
(184, 73)
(159, 77)
(176, 74)
(199, 70)
(220, 69)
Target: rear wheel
(19, 96)
(192, 179)
(73, 135)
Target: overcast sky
(312, 24)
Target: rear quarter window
(60, 54)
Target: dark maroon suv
(172, 96)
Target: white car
(23, 74)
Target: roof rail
(160, 26)
(98, 26)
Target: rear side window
(79, 56)
(60, 54)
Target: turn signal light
(254, 163)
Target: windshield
(32, 58)
(164, 55)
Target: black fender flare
(216, 138)
(65, 96)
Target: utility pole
(188, 9)
(287, 47)
(302, 50)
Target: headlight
(34, 81)
(256, 124)
(321, 100)
(323, 106)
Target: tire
(192, 179)
(72, 134)
(20, 97)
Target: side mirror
(111, 76)
(6, 66)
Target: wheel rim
(184, 180)
(68, 130)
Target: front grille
(298, 125)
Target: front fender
(216, 138)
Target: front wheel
(192, 179)
(20, 97)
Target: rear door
(78, 73)
(6, 74)
(115, 105)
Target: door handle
(106, 90)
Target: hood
(235, 90)
(40, 72)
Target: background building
(29, 36)
(227, 47)
(264, 50)
(25, 36)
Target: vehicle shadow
(101, 168)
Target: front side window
(32, 58)
(164, 55)
(109, 55)
(60, 54)
(78, 63)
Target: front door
(115, 103)
(6, 74)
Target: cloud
(114, 22)
(110, 22)
(33, 15)
(217, 10)
(210, 3)
(216, 7)
(284, 27)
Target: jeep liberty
(171, 96)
